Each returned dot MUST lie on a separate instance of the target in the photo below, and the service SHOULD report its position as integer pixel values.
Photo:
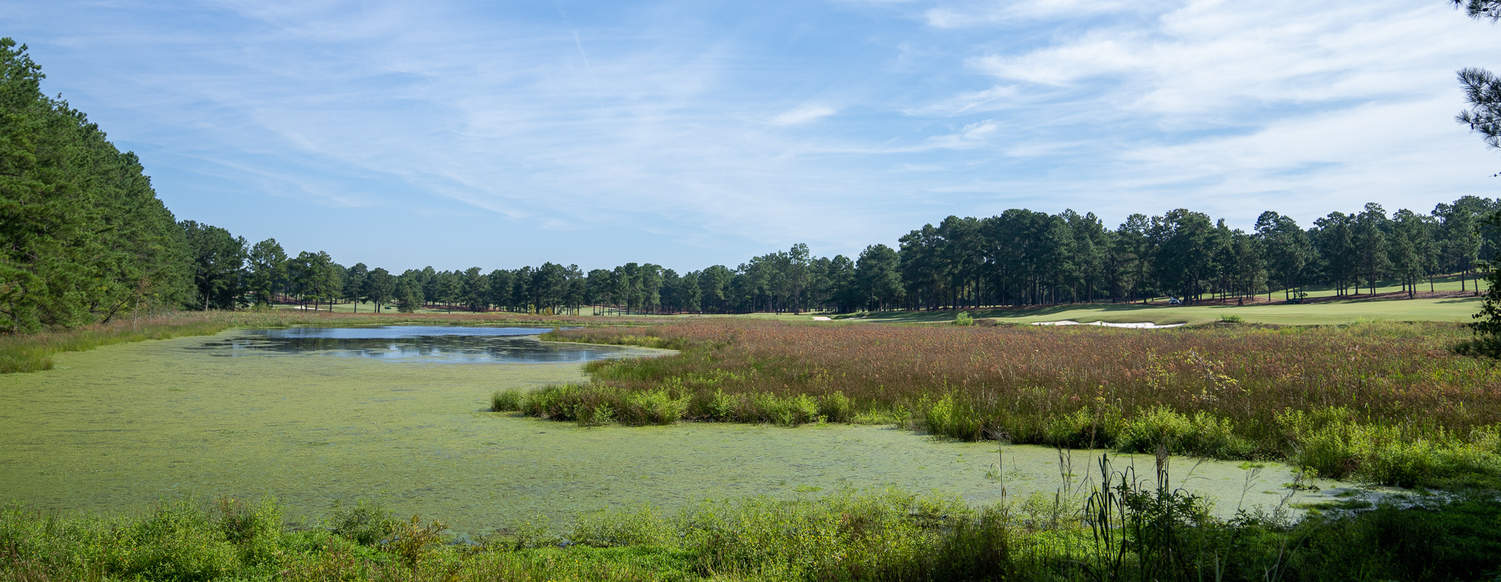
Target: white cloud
(802, 114)
(995, 98)
(1210, 56)
(992, 12)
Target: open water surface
(413, 343)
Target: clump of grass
(953, 418)
(1200, 434)
(507, 400)
(652, 407)
(836, 407)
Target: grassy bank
(1384, 402)
(33, 352)
(1123, 532)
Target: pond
(123, 427)
(413, 343)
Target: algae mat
(120, 428)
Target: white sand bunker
(1135, 325)
(821, 318)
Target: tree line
(1020, 257)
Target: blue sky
(500, 134)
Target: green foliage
(367, 523)
(953, 418)
(1130, 529)
(1334, 443)
(415, 539)
(84, 237)
(1487, 327)
(176, 543)
(1200, 434)
(408, 295)
(507, 400)
(1452, 541)
(218, 265)
(644, 527)
(652, 407)
(836, 407)
(254, 529)
(963, 319)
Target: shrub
(723, 406)
(255, 530)
(554, 402)
(1201, 434)
(414, 539)
(176, 543)
(609, 529)
(507, 400)
(366, 523)
(1084, 428)
(953, 418)
(836, 407)
(964, 319)
(596, 414)
(652, 407)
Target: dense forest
(85, 238)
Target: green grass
(1129, 530)
(1444, 284)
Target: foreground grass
(1126, 531)
(33, 352)
(1383, 402)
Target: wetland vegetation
(539, 500)
(1384, 402)
(304, 439)
(416, 436)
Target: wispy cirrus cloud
(688, 134)
(967, 14)
(802, 114)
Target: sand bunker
(1135, 325)
(821, 318)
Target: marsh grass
(1130, 529)
(508, 400)
(1380, 401)
(594, 404)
